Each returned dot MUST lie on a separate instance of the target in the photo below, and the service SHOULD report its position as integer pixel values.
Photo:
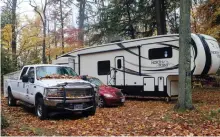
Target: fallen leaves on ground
(145, 116)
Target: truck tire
(90, 112)
(41, 109)
(11, 100)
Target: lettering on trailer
(160, 63)
(217, 53)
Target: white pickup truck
(48, 86)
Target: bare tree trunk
(44, 60)
(48, 31)
(55, 33)
(163, 17)
(81, 20)
(160, 17)
(44, 22)
(13, 42)
(61, 19)
(185, 94)
(131, 28)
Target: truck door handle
(144, 83)
(34, 86)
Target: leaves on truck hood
(54, 82)
(58, 76)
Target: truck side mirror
(84, 77)
(25, 78)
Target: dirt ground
(146, 116)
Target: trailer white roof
(125, 41)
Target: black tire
(41, 109)
(11, 100)
(101, 102)
(90, 112)
(167, 99)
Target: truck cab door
(30, 86)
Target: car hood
(54, 82)
(107, 89)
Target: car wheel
(11, 99)
(101, 102)
(41, 110)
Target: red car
(108, 96)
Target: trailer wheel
(167, 99)
(40, 109)
(11, 100)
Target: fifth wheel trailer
(146, 66)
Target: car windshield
(95, 81)
(54, 72)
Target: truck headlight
(54, 92)
(108, 95)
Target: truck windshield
(54, 72)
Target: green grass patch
(166, 117)
(38, 131)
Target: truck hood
(54, 82)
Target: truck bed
(9, 77)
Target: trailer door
(119, 71)
(160, 83)
(149, 84)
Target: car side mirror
(25, 78)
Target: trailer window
(160, 53)
(23, 72)
(104, 67)
(119, 63)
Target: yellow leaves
(205, 19)
(6, 36)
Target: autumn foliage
(206, 19)
(143, 116)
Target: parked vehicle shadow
(55, 115)
(139, 98)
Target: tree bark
(43, 20)
(61, 19)
(81, 21)
(185, 94)
(48, 31)
(13, 42)
(131, 28)
(160, 17)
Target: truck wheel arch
(38, 95)
(8, 89)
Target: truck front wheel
(40, 108)
(11, 99)
(90, 112)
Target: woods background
(39, 39)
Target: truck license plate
(78, 106)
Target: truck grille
(78, 92)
